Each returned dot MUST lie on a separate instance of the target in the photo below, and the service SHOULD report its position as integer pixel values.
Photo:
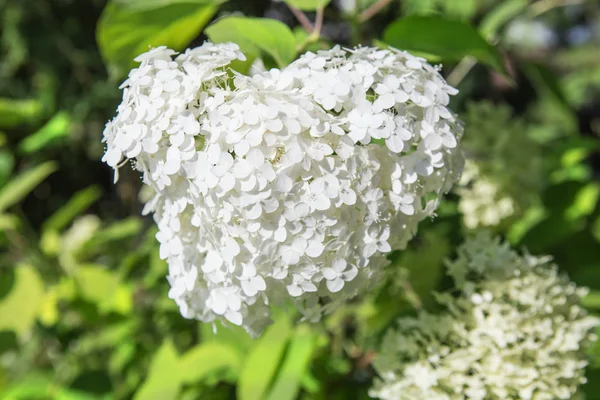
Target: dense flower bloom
(291, 183)
(515, 330)
(503, 174)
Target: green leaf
(462, 9)
(103, 287)
(449, 39)
(207, 359)
(500, 15)
(592, 300)
(585, 202)
(114, 232)
(308, 5)
(59, 126)
(256, 37)
(295, 365)
(75, 206)
(163, 380)
(9, 222)
(262, 362)
(19, 112)
(19, 309)
(20, 186)
(7, 163)
(34, 386)
(96, 283)
(140, 5)
(596, 229)
(234, 337)
(129, 28)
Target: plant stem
(372, 10)
(461, 70)
(411, 295)
(540, 7)
(302, 18)
(315, 32)
(318, 22)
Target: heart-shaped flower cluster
(289, 184)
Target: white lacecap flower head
(515, 330)
(289, 184)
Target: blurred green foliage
(84, 312)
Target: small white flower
(338, 274)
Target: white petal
(335, 285)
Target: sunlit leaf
(163, 379)
(103, 288)
(19, 309)
(129, 28)
(234, 337)
(77, 204)
(114, 232)
(308, 5)
(294, 366)
(262, 362)
(21, 185)
(15, 112)
(9, 222)
(592, 300)
(449, 39)
(256, 36)
(209, 359)
(58, 127)
(585, 202)
(34, 386)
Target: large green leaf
(163, 380)
(128, 28)
(262, 362)
(19, 309)
(207, 359)
(308, 5)
(20, 186)
(295, 365)
(58, 127)
(256, 36)
(449, 39)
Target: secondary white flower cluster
(503, 174)
(291, 183)
(515, 330)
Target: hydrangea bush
(513, 329)
(291, 183)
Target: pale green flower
(514, 330)
(503, 174)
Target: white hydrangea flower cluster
(504, 173)
(514, 331)
(291, 183)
